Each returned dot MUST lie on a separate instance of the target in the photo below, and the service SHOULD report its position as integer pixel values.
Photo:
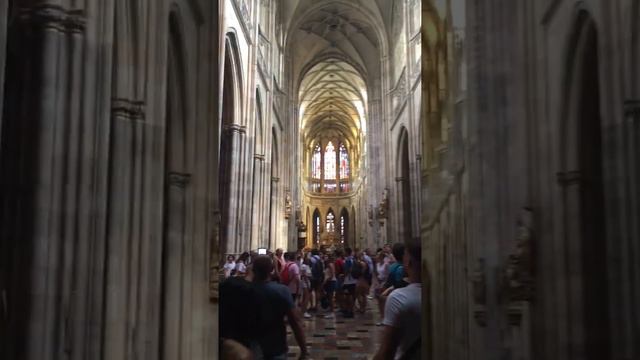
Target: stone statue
(384, 205)
(519, 268)
(287, 205)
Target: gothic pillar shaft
(120, 229)
(234, 132)
(172, 263)
(51, 115)
(76, 252)
(256, 201)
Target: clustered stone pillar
(43, 118)
(235, 133)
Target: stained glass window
(331, 226)
(344, 162)
(316, 229)
(316, 163)
(330, 162)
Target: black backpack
(356, 269)
(317, 269)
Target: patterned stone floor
(340, 338)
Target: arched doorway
(316, 228)
(404, 187)
(330, 235)
(583, 191)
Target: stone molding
(55, 17)
(632, 108)
(568, 178)
(180, 180)
(399, 179)
(259, 157)
(129, 109)
(275, 179)
(242, 10)
(240, 129)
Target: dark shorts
(315, 283)
(330, 287)
(349, 289)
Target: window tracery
(329, 165)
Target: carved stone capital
(258, 157)
(275, 179)
(514, 315)
(568, 178)
(76, 21)
(126, 108)
(56, 17)
(235, 128)
(480, 316)
(48, 16)
(632, 109)
(180, 180)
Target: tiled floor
(340, 338)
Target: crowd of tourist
(261, 294)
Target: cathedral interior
(143, 141)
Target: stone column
(125, 113)
(257, 201)
(275, 215)
(235, 133)
(44, 118)
(174, 243)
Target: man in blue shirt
(275, 303)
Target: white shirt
(305, 271)
(383, 271)
(241, 267)
(403, 311)
(228, 267)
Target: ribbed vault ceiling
(335, 48)
(332, 96)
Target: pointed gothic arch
(231, 114)
(316, 227)
(344, 227)
(403, 187)
(583, 192)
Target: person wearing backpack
(403, 311)
(349, 284)
(395, 278)
(362, 273)
(290, 275)
(317, 278)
